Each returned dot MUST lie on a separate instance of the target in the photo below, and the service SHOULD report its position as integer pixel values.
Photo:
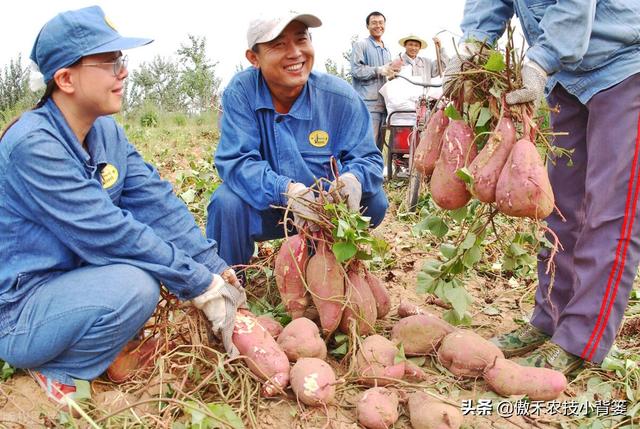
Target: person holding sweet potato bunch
(88, 230)
(281, 126)
(586, 55)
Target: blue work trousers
(236, 226)
(74, 325)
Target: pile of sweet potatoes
(342, 294)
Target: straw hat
(423, 43)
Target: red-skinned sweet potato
(428, 149)
(325, 279)
(262, 354)
(413, 371)
(301, 338)
(377, 408)
(406, 309)
(458, 150)
(290, 266)
(427, 412)
(361, 305)
(420, 334)
(380, 293)
(272, 326)
(313, 381)
(507, 378)
(467, 354)
(486, 167)
(523, 188)
(376, 358)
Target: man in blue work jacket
(282, 123)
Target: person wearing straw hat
(88, 230)
(422, 66)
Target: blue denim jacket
(585, 45)
(366, 55)
(61, 208)
(262, 151)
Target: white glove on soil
(350, 189)
(219, 303)
(299, 198)
(534, 79)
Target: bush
(149, 118)
(179, 119)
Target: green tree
(157, 83)
(198, 75)
(15, 94)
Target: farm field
(193, 386)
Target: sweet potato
(380, 294)
(507, 378)
(523, 188)
(361, 305)
(486, 167)
(406, 309)
(420, 334)
(262, 354)
(290, 266)
(467, 354)
(427, 412)
(413, 371)
(325, 279)
(377, 408)
(376, 358)
(272, 326)
(428, 149)
(301, 338)
(313, 381)
(458, 150)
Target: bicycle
(403, 140)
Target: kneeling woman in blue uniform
(88, 230)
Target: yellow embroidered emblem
(109, 23)
(319, 138)
(109, 176)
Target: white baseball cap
(266, 28)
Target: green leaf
(483, 118)
(469, 241)
(490, 310)
(516, 250)
(225, 413)
(472, 256)
(6, 372)
(188, 196)
(432, 267)
(465, 175)
(423, 282)
(448, 250)
(459, 214)
(495, 63)
(437, 226)
(452, 113)
(83, 390)
(458, 299)
(344, 250)
(399, 356)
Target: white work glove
(349, 189)
(299, 198)
(386, 71)
(534, 79)
(220, 302)
(454, 65)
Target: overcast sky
(225, 24)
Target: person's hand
(220, 302)
(300, 197)
(349, 189)
(454, 66)
(534, 79)
(387, 71)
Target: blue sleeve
(557, 48)
(81, 214)
(238, 159)
(153, 202)
(359, 154)
(360, 70)
(485, 20)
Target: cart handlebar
(424, 85)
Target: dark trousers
(598, 196)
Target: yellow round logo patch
(109, 23)
(109, 176)
(319, 138)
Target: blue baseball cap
(74, 34)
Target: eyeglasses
(119, 64)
